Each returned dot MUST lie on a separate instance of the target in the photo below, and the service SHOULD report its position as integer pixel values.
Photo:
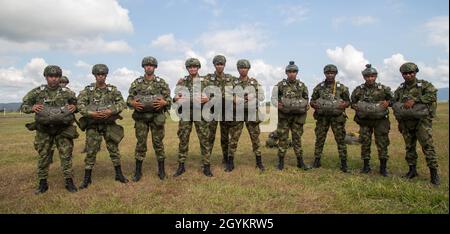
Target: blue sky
(78, 34)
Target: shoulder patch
(419, 84)
(140, 79)
(42, 87)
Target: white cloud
(245, 38)
(350, 63)
(168, 42)
(14, 83)
(83, 64)
(438, 29)
(357, 21)
(293, 14)
(66, 25)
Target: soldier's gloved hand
(137, 105)
(71, 108)
(384, 103)
(159, 103)
(409, 104)
(37, 108)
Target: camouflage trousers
(43, 144)
(184, 132)
(295, 125)
(224, 135)
(380, 128)
(422, 131)
(338, 127)
(94, 136)
(236, 131)
(157, 130)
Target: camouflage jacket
(156, 86)
(238, 82)
(108, 96)
(372, 94)
(420, 91)
(44, 95)
(187, 84)
(334, 90)
(226, 80)
(289, 89)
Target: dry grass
(245, 190)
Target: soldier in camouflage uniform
(221, 80)
(416, 91)
(152, 120)
(191, 83)
(47, 135)
(252, 125)
(330, 89)
(373, 92)
(63, 82)
(100, 105)
(290, 88)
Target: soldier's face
(100, 78)
(63, 84)
(243, 72)
(409, 76)
(370, 79)
(330, 76)
(149, 70)
(52, 81)
(292, 75)
(193, 70)
(219, 67)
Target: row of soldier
(100, 105)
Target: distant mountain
(10, 106)
(442, 94)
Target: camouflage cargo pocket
(160, 120)
(115, 133)
(70, 132)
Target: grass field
(245, 190)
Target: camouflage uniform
(293, 89)
(252, 126)
(225, 80)
(47, 136)
(337, 123)
(111, 97)
(153, 121)
(185, 126)
(380, 127)
(420, 91)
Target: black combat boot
(230, 164)
(87, 179)
(344, 167)
(412, 172)
(138, 171)
(434, 176)
(301, 164)
(225, 159)
(383, 167)
(366, 168)
(161, 170)
(316, 163)
(207, 170)
(70, 186)
(280, 163)
(119, 175)
(180, 170)
(259, 163)
(43, 187)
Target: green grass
(245, 190)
